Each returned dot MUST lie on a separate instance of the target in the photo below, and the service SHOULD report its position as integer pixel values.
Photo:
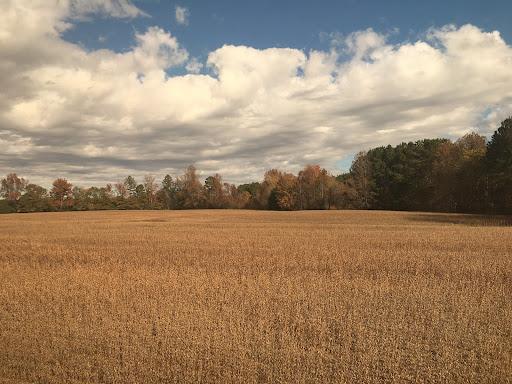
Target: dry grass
(235, 296)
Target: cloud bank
(97, 116)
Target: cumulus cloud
(156, 49)
(97, 116)
(362, 43)
(182, 14)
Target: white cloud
(363, 43)
(182, 15)
(157, 49)
(96, 116)
(194, 66)
(114, 8)
(13, 144)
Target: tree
(190, 191)
(95, 198)
(81, 200)
(237, 198)
(445, 169)
(467, 175)
(7, 207)
(140, 197)
(499, 166)
(308, 182)
(284, 196)
(251, 193)
(35, 199)
(361, 181)
(121, 190)
(401, 177)
(62, 193)
(150, 190)
(130, 185)
(470, 180)
(127, 195)
(270, 181)
(214, 192)
(335, 193)
(12, 187)
(167, 193)
(316, 188)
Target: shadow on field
(463, 219)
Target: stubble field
(254, 297)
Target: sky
(95, 90)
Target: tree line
(469, 175)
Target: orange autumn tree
(62, 193)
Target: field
(254, 297)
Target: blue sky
(296, 24)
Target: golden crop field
(255, 297)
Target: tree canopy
(466, 175)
